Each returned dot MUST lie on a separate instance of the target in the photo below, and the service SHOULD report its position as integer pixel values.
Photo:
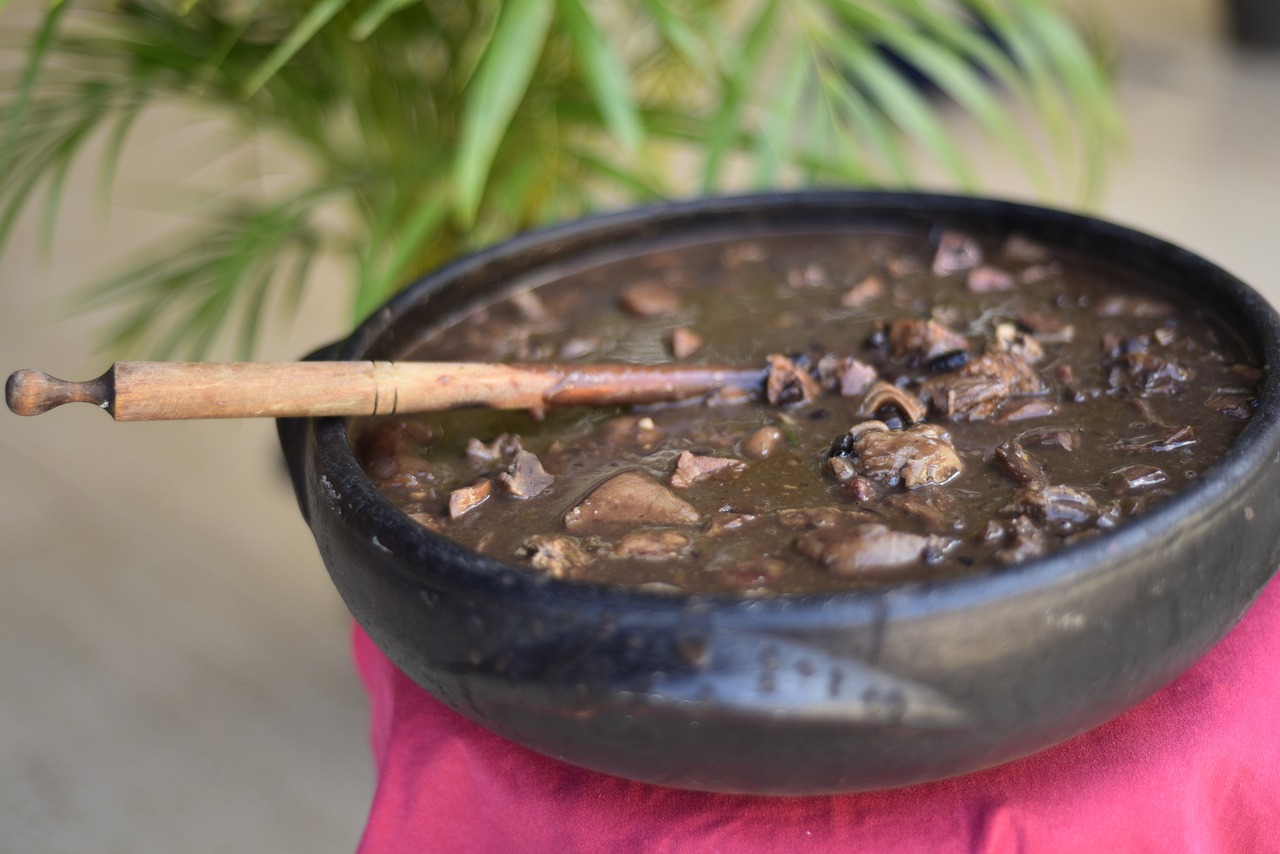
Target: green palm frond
(215, 279)
(424, 129)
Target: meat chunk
(743, 252)
(1136, 478)
(650, 299)
(1248, 374)
(630, 498)
(1051, 437)
(1024, 410)
(467, 498)
(789, 383)
(633, 432)
(956, 252)
(1180, 437)
(691, 468)
(869, 289)
(526, 478)
(428, 521)
(1062, 509)
(1047, 328)
(727, 522)
(807, 518)
(685, 342)
(1019, 247)
(899, 265)
(762, 443)
(1019, 465)
(576, 348)
(861, 490)
(1147, 372)
(1010, 339)
(1017, 539)
(921, 341)
(555, 554)
(849, 376)
(986, 280)
(393, 447)
(1232, 405)
(976, 391)
(937, 510)
(1038, 273)
(920, 455)
(808, 276)
(1139, 307)
(501, 448)
(652, 544)
(1115, 345)
(842, 467)
(868, 549)
(530, 306)
(753, 574)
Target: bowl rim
(393, 530)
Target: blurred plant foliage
(427, 128)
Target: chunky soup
(929, 406)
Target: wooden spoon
(159, 391)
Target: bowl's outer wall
(806, 694)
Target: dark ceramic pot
(815, 693)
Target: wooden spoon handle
(158, 391)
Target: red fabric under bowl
(1196, 768)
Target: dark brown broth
(783, 294)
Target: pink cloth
(1196, 768)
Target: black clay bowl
(808, 693)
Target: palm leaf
(605, 75)
(44, 151)
(987, 55)
(1050, 105)
(422, 129)
(1083, 79)
(500, 82)
(683, 38)
(319, 15)
(422, 221)
(114, 148)
(778, 124)
(955, 75)
(852, 116)
(373, 17)
(904, 105)
(218, 272)
(742, 65)
(26, 86)
(633, 184)
(57, 180)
